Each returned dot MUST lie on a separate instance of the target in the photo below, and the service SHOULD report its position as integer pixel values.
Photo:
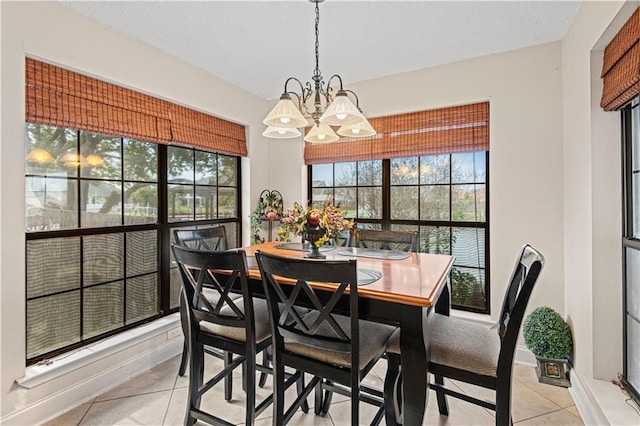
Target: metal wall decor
(269, 209)
(271, 206)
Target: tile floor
(158, 397)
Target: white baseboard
(57, 403)
(586, 403)
(524, 356)
(600, 402)
(39, 374)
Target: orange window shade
(454, 129)
(197, 129)
(621, 66)
(59, 97)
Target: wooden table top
(416, 280)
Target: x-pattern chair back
(290, 324)
(386, 240)
(215, 320)
(326, 342)
(463, 362)
(523, 278)
(212, 239)
(209, 239)
(217, 271)
(524, 275)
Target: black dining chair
(338, 351)
(385, 239)
(471, 353)
(378, 239)
(213, 239)
(237, 326)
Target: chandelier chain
(316, 72)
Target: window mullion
(386, 194)
(164, 242)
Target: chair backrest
(212, 239)
(218, 273)
(387, 240)
(344, 238)
(524, 276)
(282, 297)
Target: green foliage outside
(52, 196)
(546, 334)
(463, 285)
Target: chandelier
(330, 107)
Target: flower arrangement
(300, 220)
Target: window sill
(36, 374)
(482, 319)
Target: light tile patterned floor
(158, 397)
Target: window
(202, 185)
(99, 211)
(631, 247)
(443, 197)
(202, 190)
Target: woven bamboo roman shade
(201, 130)
(59, 97)
(454, 129)
(621, 66)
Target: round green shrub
(546, 334)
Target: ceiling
(258, 45)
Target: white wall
(592, 171)
(55, 34)
(526, 192)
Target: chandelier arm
(331, 78)
(306, 93)
(296, 95)
(355, 96)
(301, 97)
(329, 91)
(286, 83)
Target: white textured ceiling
(258, 45)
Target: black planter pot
(553, 371)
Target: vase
(313, 234)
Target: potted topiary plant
(548, 336)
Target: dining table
(396, 288)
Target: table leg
(443, 304)
(414, 359)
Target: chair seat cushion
(459, 344)
(373, 337)
(261, 317)
(214, 295)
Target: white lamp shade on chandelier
(281, 132)
(359, 130)
(285, 114)
(321, 133)
(341, 112)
